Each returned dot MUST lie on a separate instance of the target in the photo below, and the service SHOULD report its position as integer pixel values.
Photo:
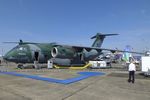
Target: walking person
(131, 69)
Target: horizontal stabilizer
(99, 39)
(102, 35)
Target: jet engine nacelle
(86, 56)
(62, 52)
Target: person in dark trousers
(132, 69)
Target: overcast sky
(73, 22)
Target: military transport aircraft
(28, 52)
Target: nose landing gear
(20, 66)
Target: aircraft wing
(101, 49)
(80, 49)
(114, 50)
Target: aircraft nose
(5, 58)
(9, 58)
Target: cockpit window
(20, 48)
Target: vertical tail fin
(99, 39)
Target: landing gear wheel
(20, 66)
(33, 66)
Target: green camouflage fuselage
(25, 53)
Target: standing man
(132, 69)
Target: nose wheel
(20, 66)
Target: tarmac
(111, 86)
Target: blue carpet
(83, 75)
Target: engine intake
(62, 52)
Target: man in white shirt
(132, 69)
